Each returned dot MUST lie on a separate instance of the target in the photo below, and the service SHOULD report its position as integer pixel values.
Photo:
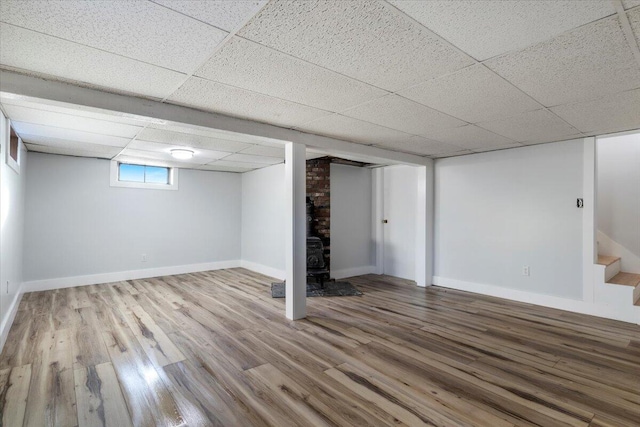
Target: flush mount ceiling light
(182, 154)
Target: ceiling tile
(348, 129)
(70, 145)
(217, 168)
(27, 50)
(497, 147)
(628, 4)
(473, 94)
(259, 150)
(69, 134)
(247, 158)
(69, 151)
(585, 63)
(245, 165)
(250, 66)
(75, 110)
(532, 126)
(220, 98)
(456, 154)
(223, 14)
(219, 134)
(399, 113)
(484, 29)
(421, 146)
(140, 30)
(162, 156)
(155, 134)
(634, 20)
(153, 162)
(365, 40)
(67, 121)
(612, 113)
(470, 137)
(166, 149)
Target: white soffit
(163, 136)
(349, 129)
(588, 62)
(37, 142)
(365, 40)
(254, 67)
(487, 28)
(471, 137)
(224, 14)
(67, 121)
(401, 114)
(45, 55)
(473, 94)
(166, 149)
(140, 30)
(69, 134)
(617, 112)
(532, 127)
(71, 152)
(220, 98)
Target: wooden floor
(215, 349)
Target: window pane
(131, 173)
(156, 175)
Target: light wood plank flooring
(214, 349)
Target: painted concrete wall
(263, 220)
(77, 224)
(500, 211)
(12, 185)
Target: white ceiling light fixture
(182, 154)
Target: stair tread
(626, 279)
(607, 260)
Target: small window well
(143, 176)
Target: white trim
(94, 279)
(355, 271)
(632, 315)
(13, 164)
(264, 269)
(377, 215)
(589, 240)
(7, 322)
(115, 182)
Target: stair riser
(611, 270)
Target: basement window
(132, 175)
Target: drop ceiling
(431, 78)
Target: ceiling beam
(29, 86)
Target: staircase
(613, 276)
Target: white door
(399, 236)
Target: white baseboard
(10, 317)
(350, 272)
(264, 269)
(93, 279)
(629, 314)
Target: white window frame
(115, 181)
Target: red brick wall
(318, 189)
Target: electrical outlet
(526, 271)
(144, 257)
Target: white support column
(424, 226)
(589, 220)
(377, 206)
(296, 246)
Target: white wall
(352, 248)
(263, 220)
(618, 180)
(497, 212)
(400, 209)
(11, 232)
(77, 224)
